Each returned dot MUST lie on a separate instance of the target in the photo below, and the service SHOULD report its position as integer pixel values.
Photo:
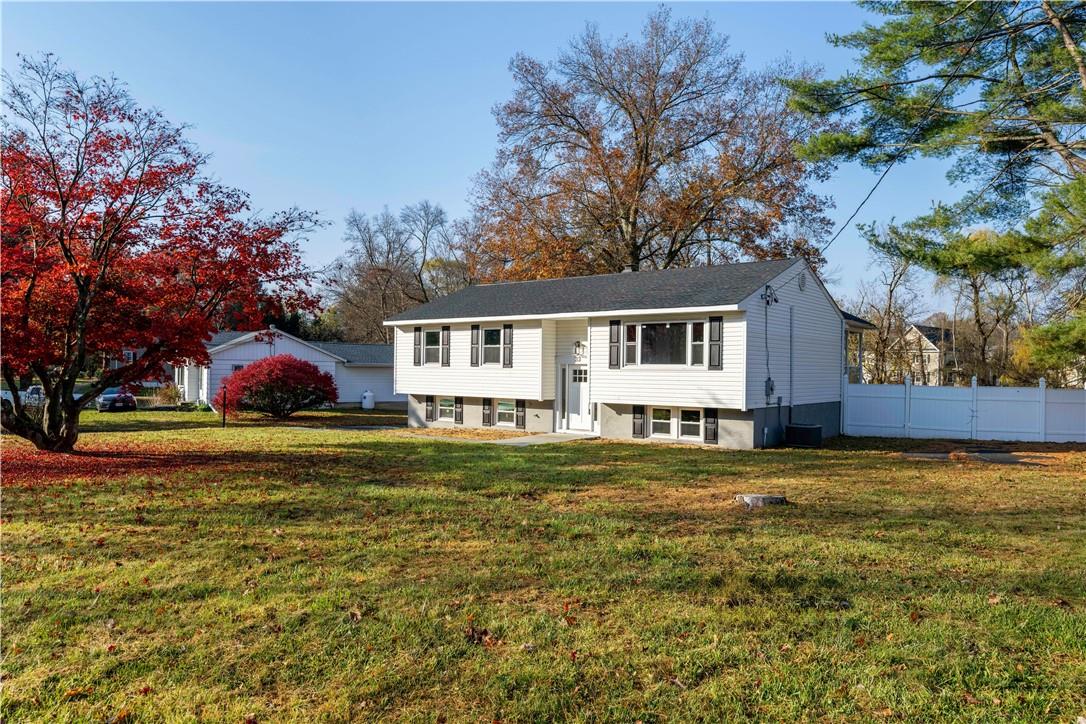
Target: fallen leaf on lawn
(914, 616)
(122, 716)
(145, 690)
(78, 692)
(994, 599)
(970, 699)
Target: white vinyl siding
(224, 361)
(521, 381)
(673, 385)
(351, 381)
(817, 361)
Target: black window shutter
(458, 411)
(710, 425)
(429, 408)
(716, 360)
(639, 421)
(475, 345)
(418, 346)
(507, 345)
(520, 415)
(445, 346)
(613, 344)
(488, 418)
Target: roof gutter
(565, 315)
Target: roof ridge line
(638, 271)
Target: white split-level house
(720, 355)
(355, 367)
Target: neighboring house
(929, 351)
(355, 367)
(723, 355)
(854, 348)
(128, 356)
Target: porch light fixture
(578, 348)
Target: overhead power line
(916, 129)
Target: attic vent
(802, 281)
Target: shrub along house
(722, 355)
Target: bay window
(663, 343)
(631, 344)
(697, 343)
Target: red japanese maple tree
(113, 239)
(277, 386)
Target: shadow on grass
(894, 444)
(150, 421)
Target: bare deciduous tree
(394, 262)
(889, 301)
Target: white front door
(578, 409)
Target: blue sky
(330, 106)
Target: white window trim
(497, 414)
(689, 342)
(636, 343)
(451, 408)
(652, 427)
(676, 423)
(426, 347)
(483, 346)
(701, 424)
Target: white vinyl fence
(1034, 414)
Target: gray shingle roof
(220, 338)
(374, 355)
(705, 286)
(935, 335)
(858, 320)
(377, 355)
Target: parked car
(34, 395)
(115, 399)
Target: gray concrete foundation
(538, 414)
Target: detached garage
(355, 367)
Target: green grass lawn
(176, 571)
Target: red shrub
(278, 387)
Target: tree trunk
(60, 436)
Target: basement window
(445, 408)
(507, 412)
(690, 424)
(661, 421)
